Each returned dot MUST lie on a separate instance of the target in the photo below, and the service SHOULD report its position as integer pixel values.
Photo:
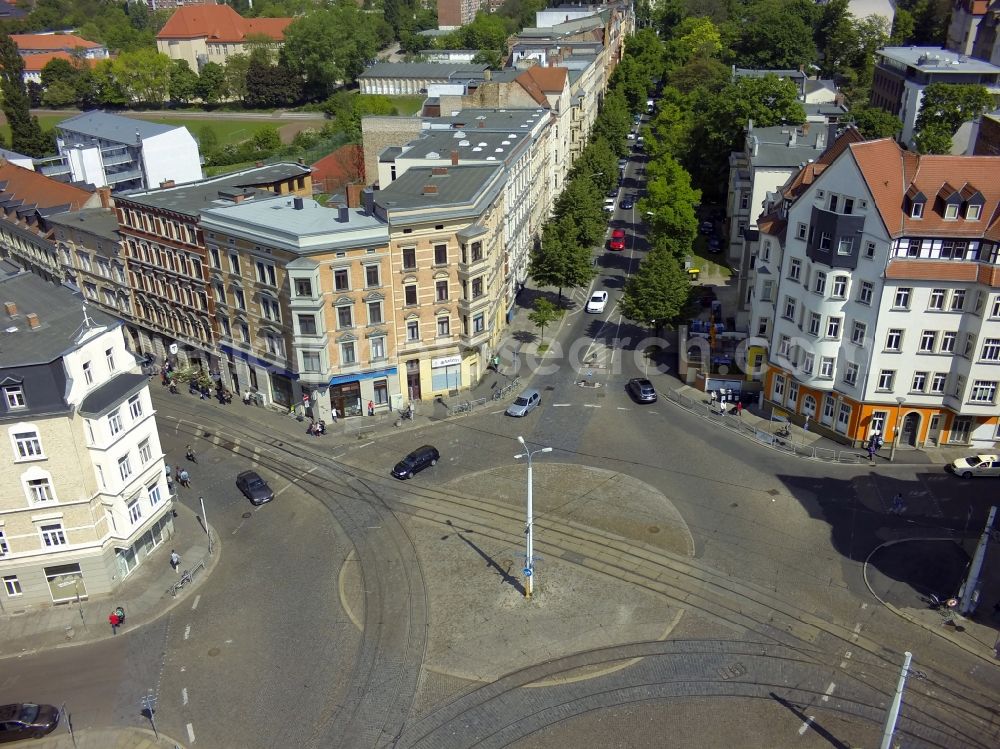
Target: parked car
(416, 461)
(609, 205)
(707, 227)
(617, 241)
(525, 403)
(641, 390)
(597, 302)
(975, 465)
(26, 720)
(622, 163)
(636, 118)
(254, 488)
(627, 203)
(715, 244)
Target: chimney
(33, 322)
(10, 308)
(368, 200)
(343, 214)
(297, 203)
(430, 190)
(238, 197)
(791, 137)
(454, 158)
(105, 195)
(481, 123)
(439, 171)
(167, 183)
(487, 75)
(301, 161)
(354, 191)
(805, 128)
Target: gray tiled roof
(115, 390)
(442, 70)
(477, 144)
(460, 186)
(60, 312)
(97, 221)
(112, 127)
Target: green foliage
(266, 139)
(561, 261)
(545, 313)
(59, 95)
(946, 106)
(701, 72)
(270, 86)
(208, 139)
(631, 81)
(903, 27)
(237, 67)
(183, 82)
(672, 202)
(347, 108)
(876, 123)
(693, 38)
(58, 70)
(613, 123)
(658, 293)
(25, 133)
(211, 87)
(669, 132)
(934, 138)
(143, 77)
(775, 35)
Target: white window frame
(52, 534)
(851, 374)
(935, 302)
(948, 340)
(12, 586)
(135, 406)
(145, 451)
(983, 392)
(886, 379)
(125, 467)
(134, 511)
(14, 396)
(919, 382)
(928, 340)
(115, 423)
(901, 299)
(348, 353)
(839, 288)
(27, 444)
(39, 489)
(990, 350)
(894, 339)
(858, 333)
(827, 367)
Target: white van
(975, 465)
(649, 105)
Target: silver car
(525, 403)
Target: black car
(27, 721)
(715, 244)
(641, 389)
(254, 488)
(416, 461)
(627, 204)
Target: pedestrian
(334, 413)
(120, 613)
(371, 408)
(246, 397)
(114, 622)
(409, 411)
(739, 409)
(871, 451)
(898, 506)
(805, 425)
(175, 561)
(189, 454)
(185, 478)
(164, 380)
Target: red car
(617, 241)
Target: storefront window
(381, 397)
(65, 582)
(345, 399)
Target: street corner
(104, 738)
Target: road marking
(622, 408)
(828, 692)
(296, 480)
(802, 729)
(561, 405)
(194, 606)
(184, 696)
(367, 443)
(591, 405)
(187, 631)
(190, 730)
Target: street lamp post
(900, 400)
(529, 563)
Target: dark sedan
(641, 390)
(254, 488)
(27, 721)
(627, 204)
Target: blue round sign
(527, 571)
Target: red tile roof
(35, 189)
(550, 80)
(220, 23)
(35, 63)
(68, 42)
(336, 169)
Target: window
(477, 287)
(789, 313)
(885, 379)
(409, 258)
(441, 291)
(808, 363)
(851, 374)
(951, 211)
(927, 340)
(894, 339)
(4, 550)
(374, 313)
(153, 492)
(377, 346)
(115, 421)
(995, 311)
(134, 511)
(845, 245)
(274, 344)
(477, 251)
(440, 254)
(795, 269)
(762, 325)
(14, 396)
(973, 212)
(824, 241)
(413, 330)
(345, 316)
(779, 387)
(479, 323)
(839, 287)
(266, 274)
(213, 253)
(40, 490)
(936, 301)
(802, 231)
(12, 585)
(957, 300)
(833, 328)
(28, 445)
(372, 276)
(858, 333)
(307, 324)
(145, 452)
(948, 343)
(303, 287)
(767, 291)
(959, 386)
(902, 299)
(814, 323)
(124, 467)
(869, 249)
(410, 294)
(348, 354)
(135, 406)
(938, 382)
(783, 345)
(970, 345)
(828, 405)
(52, 535)
(793, 394)
(919, 383)
(826, 365)
(241, 301)
(270, 308)
(843, 417)
(311, 361)
(444, 326)
(983, 391)
(109, 358)
(819, 283)
(341, 279)
(88, 375)
(991, 350)
(381, 390)
(917, 210)
(234, 263)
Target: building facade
(84, 497)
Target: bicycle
(499, 394)
(185, 579)
(462, 407)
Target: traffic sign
(527, 571)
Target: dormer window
(974, 202)
(916, 201)
(14, 396)
(916, 210)
(951, 212)
(972, 212)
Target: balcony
(469, 306)
(475, 339)
(472, 264)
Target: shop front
(350, 395)
(131, 557)
(446, 373)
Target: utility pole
(890, 719)
(204, 519)
(970, 593)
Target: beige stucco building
(199, 34)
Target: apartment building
(49, 42)
(966, 16)
(447, 268)
(83, 496)
(453, 14)
(882, 272)
(303, 302)
(168, 262)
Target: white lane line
(591, 405)
(187, 631)
(190, 729)
(197, 600)
(802, 729)
(184, 696)
(622, 408)
(367, 443)
(828, 692)
(561, 405)
(296, 480)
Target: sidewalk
(119, 738)
(143, 596)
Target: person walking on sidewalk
(898, 505)
(184, 478)
(114, 621)
(371, 408)
(739, 409)
(175, 561)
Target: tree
(561, 261)
(902, 28)
(208, 139)
(211, 86)
(776, 34)
(183, 82)
(236, 76)
(694, 37)
(934, 138)
(143, 76)
(876, 123)
(59, 95)
(346, 109)
(25, 133)
(579, 210)
(266, 139)
(672, 201)
(544, 314)
(657, 294)
(669, 133)
(269, 86)
(948, 105)
(58, 70)
(836, 36)
(613, 123)
(703, 72)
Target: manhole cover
(214, 651)
(773, 492)
(247, 515)
(735, 504)
(653, 529)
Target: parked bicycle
(462, 407)
(185, 579)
